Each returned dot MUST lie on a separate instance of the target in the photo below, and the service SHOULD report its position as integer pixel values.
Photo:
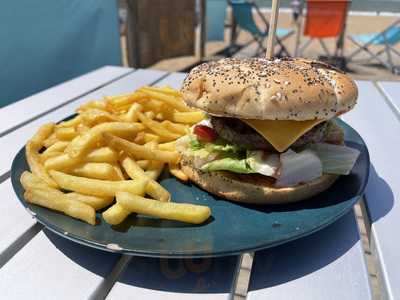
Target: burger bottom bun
(253, 189)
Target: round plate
(232, 229)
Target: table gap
(24, 239)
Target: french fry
(160, 116)
(153, 188)
(61, 162)
(65, 133)
(144, 137)
(177, 172)
(150, 114)
(143, 163)
(151, 144)
(131, 115)
(116, 214)
(149, 137)
(92, 117)
(170, 146)
(56, 200)
(31, 181)
(176, 128)
(79, 147)
(96, 187)
(127, 99)
(172, 101)
(44, 132)
(153, 105)
(96, 171)
(154, 169)
(93, 201)
(52, 139)
(158, 128)
(184, 212)
(45, 156)
(140, 151)
(33, 158)
(165, 90)
(93, 104)
(70, 123)
(82, 128)
(57, 147)
(187, 117)
(103, 154)
(111, 99)
(118, 172)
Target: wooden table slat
(391, 89)
(15, 221)
(51, 267)
(28, 108)
(328, 264)
(380, 127)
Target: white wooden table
(330, 264)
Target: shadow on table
(207, 275)
(174, 275)
(304, 256)
(379, 196)
(94, 260)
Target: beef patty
(237, 132)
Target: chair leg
(388, 53)
(303, 47)
(260, 48)
(324, 47)
(359, 50)
(283, 50)
(369, 52)
(395, 51)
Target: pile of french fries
(109, 156)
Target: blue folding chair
(385, 39)
(215, 19)
(243, 18)
(43, 43)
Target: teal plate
(232, 229)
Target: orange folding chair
(324, 19)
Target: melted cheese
(281, 133)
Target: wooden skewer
(272, 28)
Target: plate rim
(177, 253)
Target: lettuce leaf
(263, 163)
(336, 159)
(228, 164)
(221, 147)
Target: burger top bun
(270, 89)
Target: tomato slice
(205, 133)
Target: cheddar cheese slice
(281, 133)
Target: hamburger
(270, 134)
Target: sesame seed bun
(253, 189)
(278, 89)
